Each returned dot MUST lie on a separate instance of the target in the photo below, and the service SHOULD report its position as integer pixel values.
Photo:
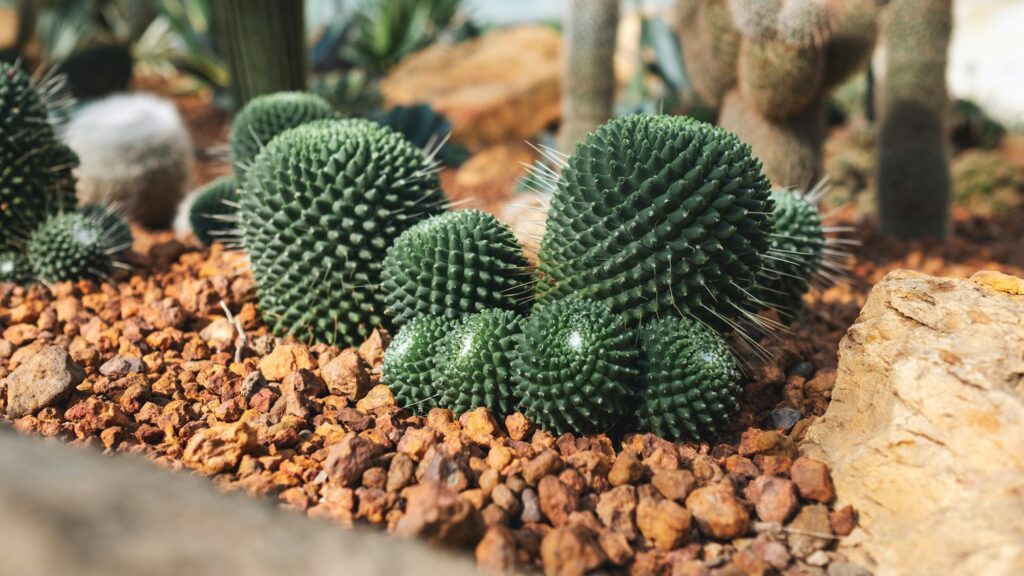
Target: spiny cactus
(136, 153)
(35, 168)
(575, 367)
(14, 267)
(588, 73)
(690, 382)
(657, 216)
(452, 265)
(777, 79)
(267, 116)
(75, 246)
(214, 213)
(117, 232)
(914, 182)
(710, 47)
(474, 363)
(321, 205)
(409, 363)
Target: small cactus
(14, 267)
(213, 214)
(474, 363)
(75, 246)
(409, 363)
(267, 116)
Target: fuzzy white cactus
(135, 153)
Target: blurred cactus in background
(769, 66)
(914, 179)
(588, 74)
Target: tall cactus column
(264, 41)
(588, 75)
(913, 153)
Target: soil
(312, 427)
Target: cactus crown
(320, 206)
(474, 362)
(76, 246)
(657, 216)
(266, 116)
(214, 213)
(14, 267)
(455, 264)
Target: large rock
(502, 86)
(73, 511)
(924, 431)
(45, 379)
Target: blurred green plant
(660, 83)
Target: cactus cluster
(214, 212)
(769, 66)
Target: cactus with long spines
(77, 246)
(214, 213)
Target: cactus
(136, 154)
(35, 168)
(657, 216)
(14, 267)
(588, 72)
(474, 363)
(267, 116)
(409, 367)
(689, 380)
(710, 45)
(755, 18)
(778, 80)
(452, 265)
(75, 246)
(914, 182)
(118, 234)
(214, 213)
(320, 206)
(804, 22)
(574, 368)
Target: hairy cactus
(14, 267)
(75, 246)
(35, 168)
(779, 80)
(575, 367)
(452, 265)
(136, 154)
(755, 18)
(804, 22)
(474, 363)
(690, 382)
(657, 216)
(321, 205)
(710, 45)
(267, 116)
(914, 182)
(214, 212)
(588, 75)
(409, 363)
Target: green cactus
(35, 168)
(588, 73)
(474, 363)
(690, 381)
(75, 246)
(321, 205)
(452, 265)
(267, 116)
(409, 367)
(14, 267)
(914, 182)
(657, 216)
(575, 367)
(117, 232)
(214, 213)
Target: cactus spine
(914, 182)
(588, 74)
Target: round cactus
(35, 168)
(75, 246)
(452, 265)
(796, 253)
(575, 366)
(409, 363)
(214, 213)
(118, 234)
(474, 362)
(14, 267)
(690, 380)
(267, 116)
(657, 216)
(321, 205)
(779, 80)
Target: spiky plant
(75, 246)
(214, 213)
(118, 233)
(575, 366)
(321, 205)
(35, 168)
(409, 363)
(452, 265)
(474, 362)
(690, 381)
(267, 116)
(14, 267)
(657, 216)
